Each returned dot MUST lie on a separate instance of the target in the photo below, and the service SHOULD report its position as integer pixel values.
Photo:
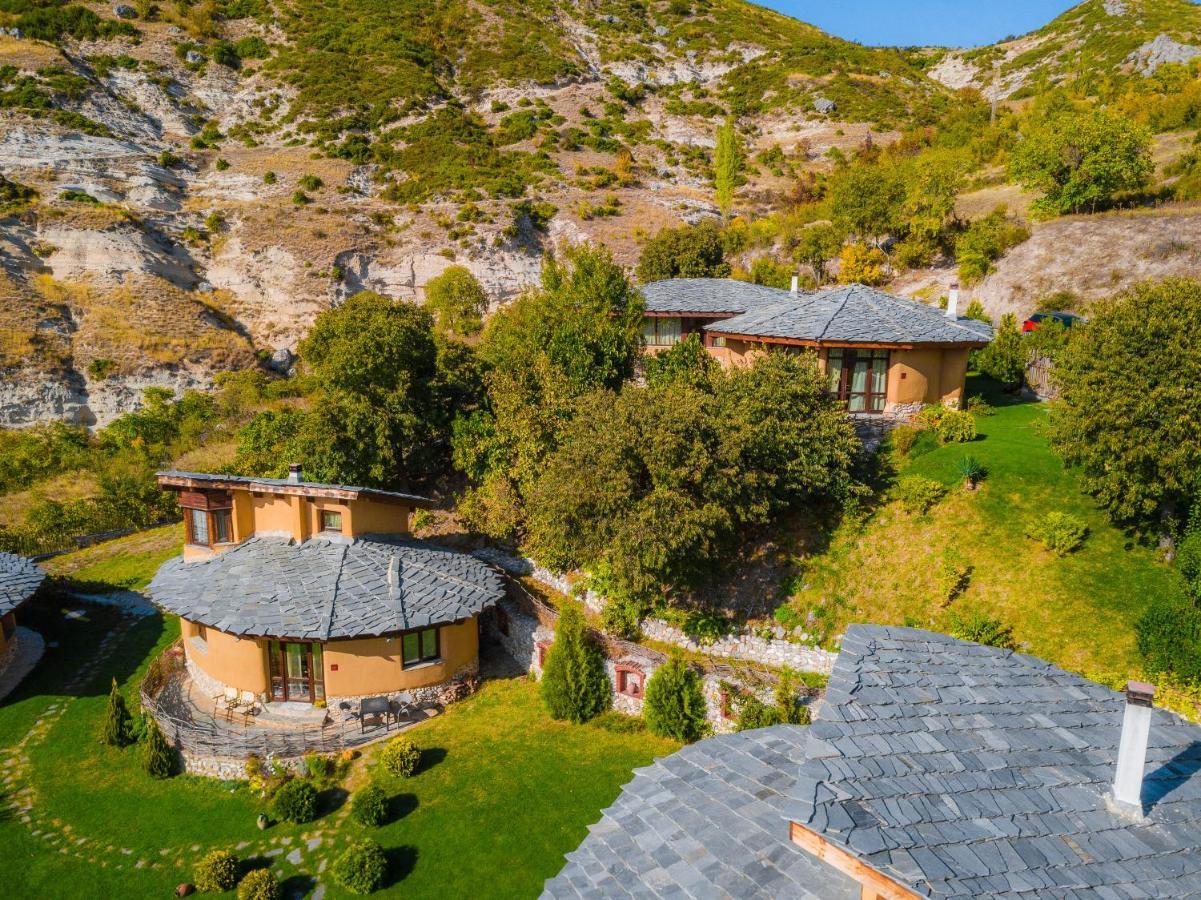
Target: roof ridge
(333, 595)
(821, 334)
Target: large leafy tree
(690, 251)
(816, 245)
(1129, 414)
(1080, 159)
(867, 200)
(457, 301)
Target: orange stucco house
(884, 355)
(305, 592)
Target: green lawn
(1078, 611)
(502, 795)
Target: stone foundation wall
(10, 651)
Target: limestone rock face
(1163, 49)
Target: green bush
(674, 705)
(369, 806)
(118, 725)
(622, 617)
(918, 494)
(400, 757)
(158, 757)
(956, 427)
(574, 683)
(216, 873)
(1061, 533)
(976, 625)
(903, 438)
(754, 713)
(1188, 560)
(362, 868)
(953, 576)
(260, 884)
(1169, 639)
(295, 801)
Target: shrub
(971, 469)
(956, 427)
(362, 868)
(978, 406)
(216, 873)
(1188, 559)
(118, 725)
(903, 437)
(310, 182)
(259, 884)
(985, 241)
(158, 758)
(674, 706)
(705, 626)
(1061, 533)
(270, 177)
(860, 264)
(918, 495)
(622, 617)
(369, 806)
(953, 577)
(1004, 359)
(1169, 638)
(930, 416)
(574, 684)
(754, 713)
(295, 801)
(978, 626)
(400, 757)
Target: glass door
(296, 671)
(859, 377)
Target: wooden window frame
(325, 529)
(654, 339)
(541, 648)
(843, 391)
(622, 674)
(422, 659)
(211, 516)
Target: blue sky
(955, 23)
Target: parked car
(1066, 319)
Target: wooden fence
(1040, 378)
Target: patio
(203, 727)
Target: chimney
(796, 284)
(294, 473)
(1132, 751)
(953, 302)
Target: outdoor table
(374, 706)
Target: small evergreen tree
(118, 725)
(574, 683)
(1005, 358)
(727, 167)
(674, 706)
(159, 758)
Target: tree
(815, 246)
(118, 725)
(457, 301)
(933, 186)
(690, 251)
(687, 362)
(1080, 159)
(727, 167)
(984, 241)
(861, 264)
(1005, 358)
(975, 310)
(867, 200)
(574, 684)
(158, 757)
(674, 705)
(1129, 414)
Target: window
(858, 377)
(331, 520)
(717, 341)
(541, 648)
(419, 647)
(207, 527)
(661, 331)
(629, 681)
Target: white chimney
(796, 284)
(294, 473)
(1132, 751)
(953, 302)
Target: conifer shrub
(362, 868)
(674, 705)
(369, 806)
(118, 724)
(1061, 533)
(574, 683)
(260, 884)
(295, 801)
(216, 873)
(400, 757)
(158, 757)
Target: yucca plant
(972, 471)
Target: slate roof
(19, 579)
(323, 588)
(966, 771)
(841, 315)
(282, 485)
(704, 822)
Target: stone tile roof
(282, 485)
(967, 771)
(19, 579)
(708, 296)
(847, 314)
(704, 822)
(327, 588)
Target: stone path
(131, 603)
(15, 782)
(30, 648)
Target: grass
(1078, 611)
(502, 794)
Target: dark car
(1067, 320)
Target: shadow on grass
(331, 800)
(297, 886)
(401, 862)
(430, 757)
(400, 806)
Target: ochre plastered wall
(373, 665)
(235, 662)
(913, 376)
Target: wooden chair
(249, 706)
(229, 702)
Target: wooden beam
(875, 885)
(871, 345)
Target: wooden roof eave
(291, 490)
(872, 345)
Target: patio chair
(229, 702)
(248, 705)
(376, 708)
(403, 706)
